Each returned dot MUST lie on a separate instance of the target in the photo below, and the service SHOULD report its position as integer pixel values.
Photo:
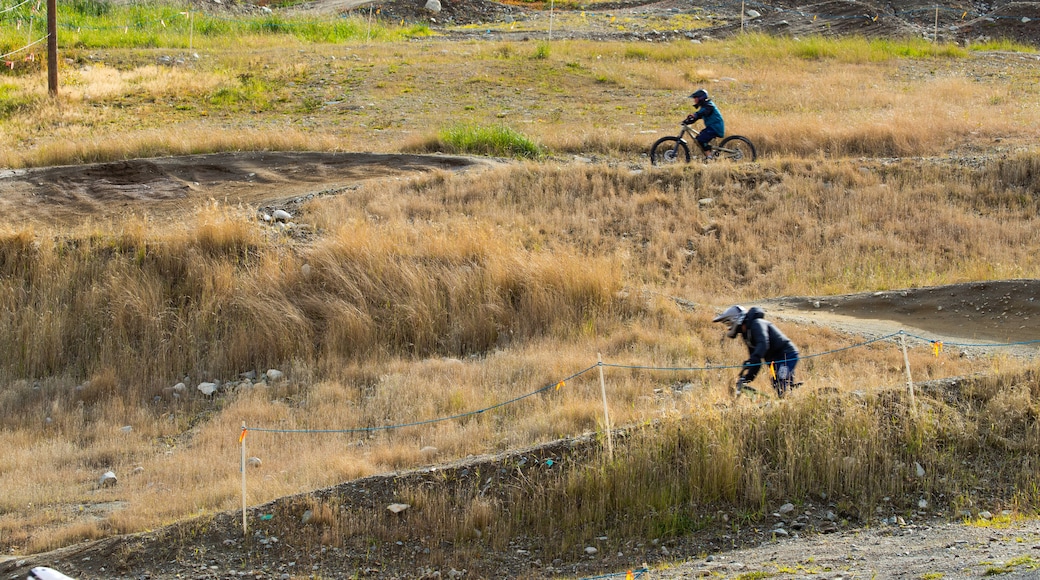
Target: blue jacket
(712, 117)
(765, 343)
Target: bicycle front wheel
(669, 150)
(737, 148)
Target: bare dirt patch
(171, 186)
(976, 315)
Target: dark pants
(704, 136)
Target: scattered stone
(207, 388)
(274, 375)
(254, 462)
(108, 479)
(398, 507)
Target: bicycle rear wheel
(669, 150)
(738, 148)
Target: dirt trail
(168, 187)
(973, 316)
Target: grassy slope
(547, 262)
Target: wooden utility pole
(52, 47)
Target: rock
(254, 462)
(398, 507)
(281, 215)
(207, 388)
(108, 479)
(591, 550)
(433, 6)
(274, 375)
(126, 429)
(786, 509)
(44, 573)
(918, 469)
(753, 14)
(307, 517)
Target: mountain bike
(668, 150)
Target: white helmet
(733, 316)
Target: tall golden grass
(430, 298)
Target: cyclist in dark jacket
(714, 125)
(767, 347)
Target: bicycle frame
(689, 130)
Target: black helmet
(700, 94)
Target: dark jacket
(712, 117)
(765, 343)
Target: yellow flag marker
(937, 346)
(242, 437)
(560, 385)
(772, 371)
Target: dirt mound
(951, 21)
(170, 185)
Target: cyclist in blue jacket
(714, 126)
(767, 347)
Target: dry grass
(435, 297)
(809, 98)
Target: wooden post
(935, 39)
(552, 5)
(909, 380)
(741, 16)
(606, 409)
(242, 440)
(52, 47)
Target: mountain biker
(767, 347)
(714, 126)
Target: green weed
(497, 140)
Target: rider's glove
(688, 120)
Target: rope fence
(937, 347)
